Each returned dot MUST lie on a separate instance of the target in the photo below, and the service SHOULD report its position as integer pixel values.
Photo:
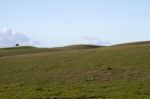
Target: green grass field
(76, 72)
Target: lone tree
(17, 45)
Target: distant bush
(17, 45)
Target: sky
(51, 23)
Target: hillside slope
(117, 72)
(134, 43)
(31, 50)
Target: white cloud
(9, 38)
(93, 40)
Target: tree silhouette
(17, 45)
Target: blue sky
(64, 22)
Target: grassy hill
(113, 72)
(33, 50)
(134, 43)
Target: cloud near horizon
(94, 40)
(9, 38)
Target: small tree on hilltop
(17, 45)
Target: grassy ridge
(15, 48)
(31, 50)
(134, 43)
(117, 72)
